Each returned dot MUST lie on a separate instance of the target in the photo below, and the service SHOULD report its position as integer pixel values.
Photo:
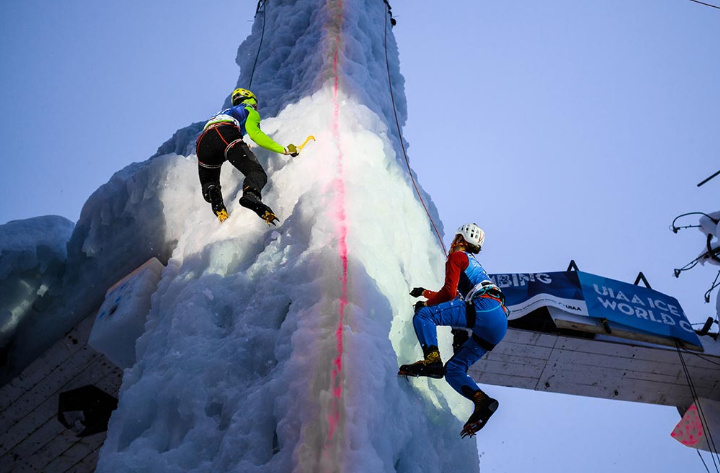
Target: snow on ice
(32, 259)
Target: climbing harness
(488, 290)
(230, 145)
(485, 289)
(221, 119)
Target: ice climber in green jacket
(222, 140)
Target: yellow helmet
(240, 95)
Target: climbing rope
(702, 357)
(705, 180)
(261, 4)
(402, 141)
(703, 420)
(703, 461)
(706, 4)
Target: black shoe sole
(262, 210)
(406, 371)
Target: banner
(586, 294)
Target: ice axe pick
(307, 140)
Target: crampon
(222, 215)
(431, 366)
(431, 370)
(484, 409)
(471, 429)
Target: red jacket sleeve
(456, 263)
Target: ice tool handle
(293, 150)
(307, 140)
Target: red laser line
(336, 384)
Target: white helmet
(472, 234)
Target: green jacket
(247, 119)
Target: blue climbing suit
(479, 295)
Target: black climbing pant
(223, 142)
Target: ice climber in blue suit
(468, 299)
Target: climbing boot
(251, 200)
(213, 195)
(485, 406)
(431, 366)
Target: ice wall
(32, 260)
(125, 222)
(277, 349)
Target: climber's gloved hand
(291, 150)
(417, 291)
(419, 305)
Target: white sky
(568, 130)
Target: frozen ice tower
(277, 349)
